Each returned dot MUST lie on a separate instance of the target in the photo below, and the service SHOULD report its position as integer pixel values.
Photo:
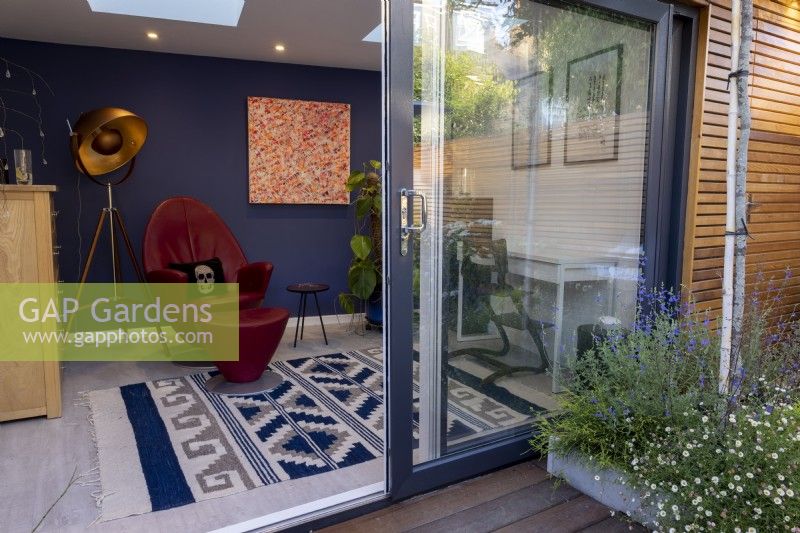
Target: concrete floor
(39, 456)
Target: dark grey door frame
(668, 137)
(398, 38)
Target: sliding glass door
(525, 164)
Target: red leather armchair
(185, 230)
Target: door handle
(407, 196)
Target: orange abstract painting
(299, 152)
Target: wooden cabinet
(28, 255)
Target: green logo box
(119, 322)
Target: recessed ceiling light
(219, 12)
(152, 35)
(279, 48)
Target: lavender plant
(645, 402)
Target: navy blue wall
(196, 111)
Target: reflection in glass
(530, 136)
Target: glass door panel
(530, 147)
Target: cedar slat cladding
(774, 158)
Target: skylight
(219, 12)
(375, 36)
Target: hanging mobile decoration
(3, 137)
(38, 114)
(36, 117)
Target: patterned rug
(170, 442)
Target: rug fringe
(83, 399)
(91, 478)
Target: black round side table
(304, 289)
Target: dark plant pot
(374, 310)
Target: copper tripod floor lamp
(105, 140)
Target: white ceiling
(315, 32)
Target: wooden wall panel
(774, 155)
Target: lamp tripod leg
(93, 248)
(127, 240)
(116, 265)
(89, 259)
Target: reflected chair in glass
(514, 316)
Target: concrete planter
(580, 472)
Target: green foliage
(556, 46)
(356, 180)
(361, 246)
(477, 99)
(363, 206)
(346, 302)
(362, 279)
(645, 402)
(477, 94)
(365, 270)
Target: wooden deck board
(500, 512)
(520, 498)
(573, 515)
(428, 508)
(614, 525)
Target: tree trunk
(740, 248)
(726, 326)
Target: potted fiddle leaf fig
(364, 277)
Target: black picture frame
(526, 112)
(588, 94)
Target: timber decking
(522, 498)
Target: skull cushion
(203, 273)
(205, 278)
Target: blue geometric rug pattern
(171, 442)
